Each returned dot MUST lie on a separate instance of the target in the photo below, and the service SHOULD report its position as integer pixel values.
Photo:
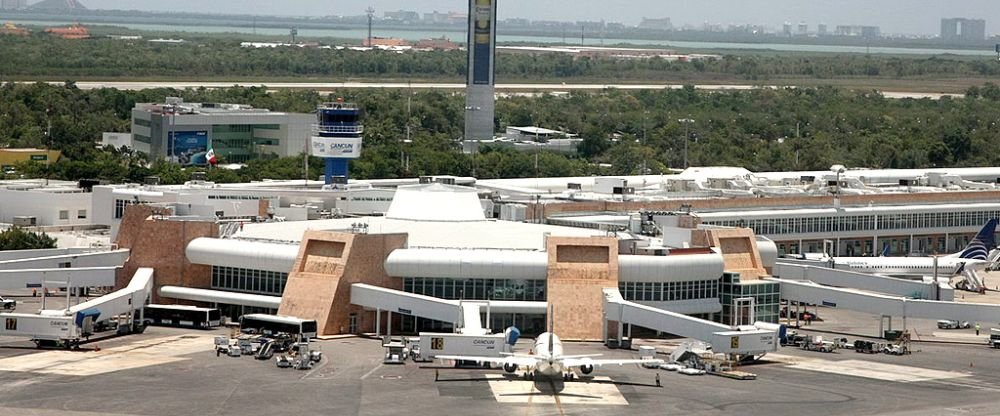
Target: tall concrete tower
(479, 94)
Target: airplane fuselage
(548, 347)
(946, 266)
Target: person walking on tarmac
(977, 329)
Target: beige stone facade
(160, 244)
(319, 285)
(579, 269)
(738, 247)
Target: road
(330, 86)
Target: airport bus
(181, 316)
(259, 323)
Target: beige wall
(579, 269)
(739, 250)
(161, 245)
(319, 286)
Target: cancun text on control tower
(337, 139)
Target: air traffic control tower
(479, 95)
(337, 139)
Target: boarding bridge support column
(388, 324)
(378, 322)
(881, 325)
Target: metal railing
(339, 129)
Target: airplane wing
(523, 361)
(576, 362)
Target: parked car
(671, 367)
(691, 372)
(953, 324)
(7, 304)
(894, 349)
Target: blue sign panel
(482, 42)
(189, 147)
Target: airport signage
(39, 157)
(829, 304)
(483, 12)
(336, 147)
(405, 311)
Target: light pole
(686, 122)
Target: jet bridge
(76, 277)
(50, 259)
(464, 314)
(885, 305)
(74, 323)
(723, 338)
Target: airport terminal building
(435, 240)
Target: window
(64, 214)
(81, 214)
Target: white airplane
(548, 360)
(974, 256)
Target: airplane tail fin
(551, 329)
(980, 246)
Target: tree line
(42, 56)
(623, 131)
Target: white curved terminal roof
(436, 202)
(242, 254)
(521, 264)
(458, 263)
(675, 268)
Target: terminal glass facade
(477, 289)
(261, 282)
(669, 291)
(885, 223)
(766, 297)
(532, 290)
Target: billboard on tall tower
(483, 12)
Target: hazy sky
(894, 16)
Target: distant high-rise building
(656, 24)
(480, 96)
(821, 29)
(961, 30)
(786, 29)
(869, 32)
(13, 4)
(402, 16)
(802, 29)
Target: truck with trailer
(433, 344)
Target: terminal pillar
(579, 270)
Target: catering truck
(435, 344)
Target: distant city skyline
(920, 17)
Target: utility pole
(48, 145)
(686, 122)
(371, 15)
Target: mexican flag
(210, 156)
